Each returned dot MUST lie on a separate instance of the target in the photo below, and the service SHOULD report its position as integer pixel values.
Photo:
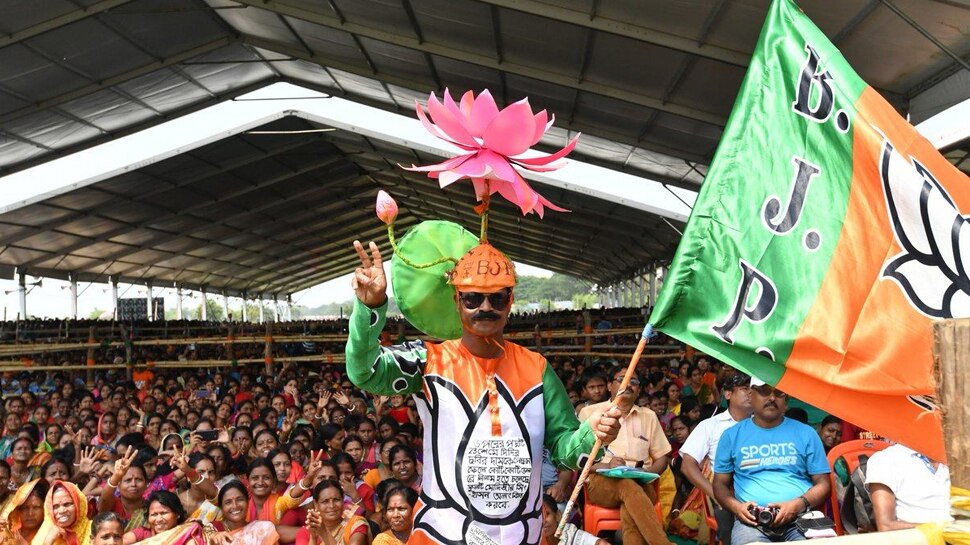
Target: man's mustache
(485, 315)
(770, 404)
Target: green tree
(584, 300)
(214, 311)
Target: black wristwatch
(808, 506)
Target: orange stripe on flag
(863, 348)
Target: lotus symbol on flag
(494, 140)
(933, 269)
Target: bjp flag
(826, 239)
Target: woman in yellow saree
(66, 519)
(24, 514)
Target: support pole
(22, 279)
(230, 346)
(204, 313)
(225, 305)
(73, 278)
(151, 307)
(178, 302)
(92, 342)
(276, 308)
(259, 303)
(640, 288)
(114, 295)
(652, 299)
(289, 307)
(268, 352)
(951, 344)
(245, 313)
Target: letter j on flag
(826, 239)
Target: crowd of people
(233, 455)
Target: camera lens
(765, 517)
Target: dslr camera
(763, 515)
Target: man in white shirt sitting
(701, 444)
(907, 488)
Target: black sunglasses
(498, 300)
(766, 390)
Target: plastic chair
(850, 451)
(598, 519)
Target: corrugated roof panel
(364, 87)
(19, 254)
(166, 27)
(13, 151)
(229, 69)
(163, 90)
(251, 21)
(332, 43)
(693, 136)
(677, 18)
(694, 89)
(108, 110)
(30, 75)
(398, 61)
(739, 24)
(899, 59)
(648, 72)
(91, 48)
(9, 103)
(614, 115)
(384, 14)
(311, 73)
(19, 15)
(557, 100)
(462, 24)
(543, 43)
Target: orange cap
(483, 269)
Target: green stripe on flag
(766, 221)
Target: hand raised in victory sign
(369, 282)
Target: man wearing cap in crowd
(769, 462)
(488, 406)
(701, 445)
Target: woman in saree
(234, 501)
(328, 522)
(130, 480)
(198, 500)
(165, 512)
(399, 504)
(66, 519)
(268, 504)
(24, 514)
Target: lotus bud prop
(386, 208)
(495, 141)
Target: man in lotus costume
(488, 406)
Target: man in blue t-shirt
(769, 461)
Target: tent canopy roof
(649, 82)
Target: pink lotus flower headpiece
(493, 139)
